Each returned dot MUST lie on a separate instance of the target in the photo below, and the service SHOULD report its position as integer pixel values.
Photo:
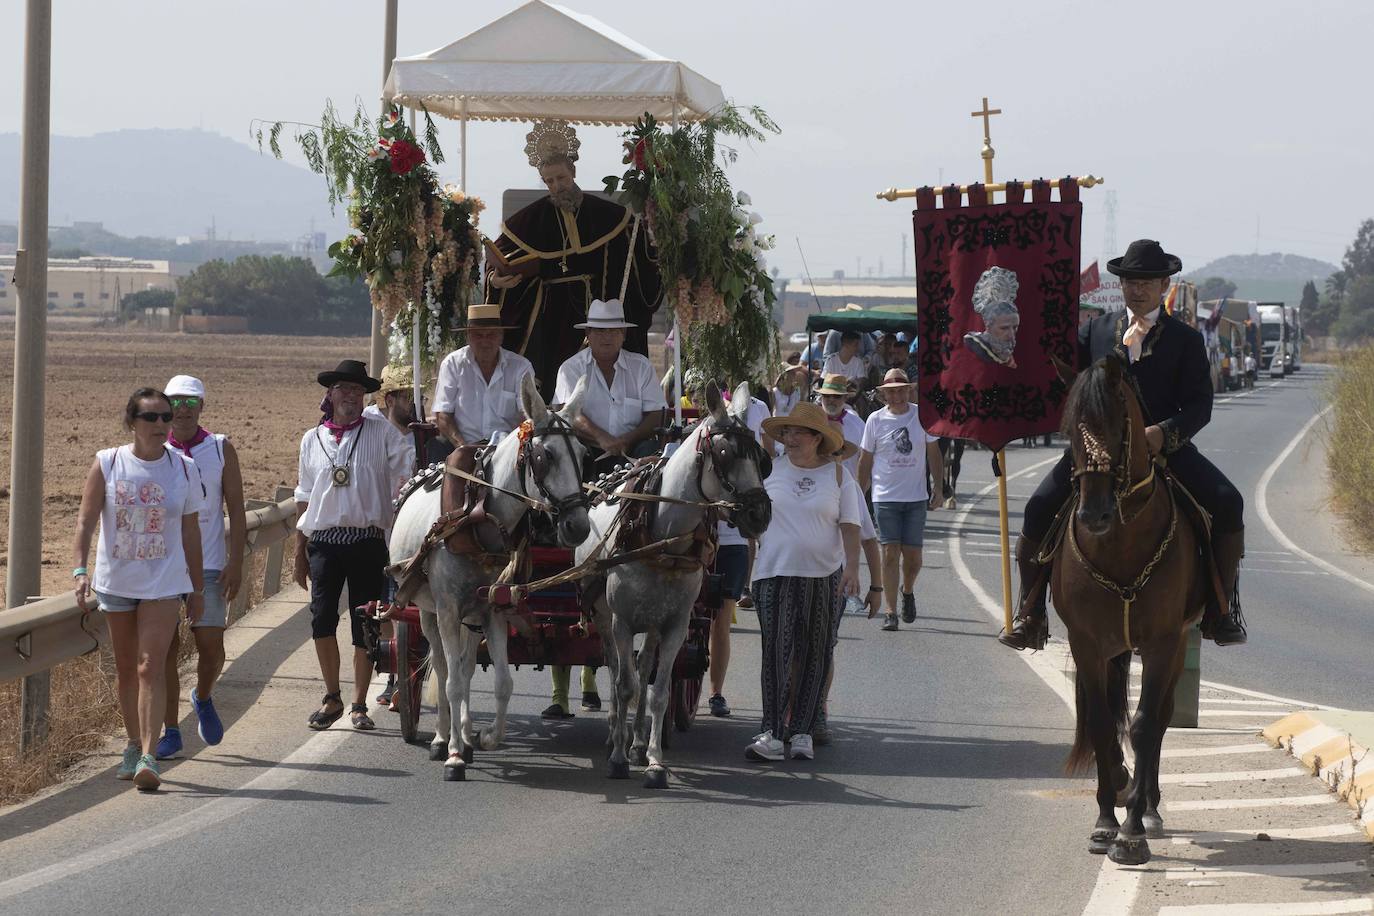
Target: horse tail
(1081, 754)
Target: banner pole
(987, 154)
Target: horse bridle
(534, 457)
(1099, 461)
(746, 447)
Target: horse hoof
(438, 751)
(639, 756)
(618, 770)
(656, 778)
(455, 773)
(467, 753)
(1129, 852)
(1154, 825)
(1100, 841)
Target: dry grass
(1352, 444)
(262, 392)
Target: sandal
(357, 714)
(320, 720)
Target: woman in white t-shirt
(146, 499)
(808, 560)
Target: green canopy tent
(887, 320)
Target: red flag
(1090, 280)
(999, 297)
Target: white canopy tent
(547, 61)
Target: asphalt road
(941, 794)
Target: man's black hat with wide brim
(350, 370)
(1146, 260)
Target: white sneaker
(802, 748)
(765, 747)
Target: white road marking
(1284, 870)
(1262, 508)
(1236, 713)
(1177, 752)
(1236, 730)
(1264, 696)
(1287, 572)
(1231, 776)
(1276, 833)
(1269, 553)
(1244, 394)
(1226, 804)
(1305, 908)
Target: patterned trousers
(796, 619)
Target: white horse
(718, 461)
(546, 467)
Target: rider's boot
(1226, 627)
(1030, 627)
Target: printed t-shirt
(803, 537)
(141, 554)
(898, 446)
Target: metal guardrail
(38, 636)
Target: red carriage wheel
(409, 679)
(683, 701)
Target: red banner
(1090, 281)
(997, 289)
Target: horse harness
(1099, 461)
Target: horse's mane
(1092, 399)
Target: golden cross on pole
(986, 114)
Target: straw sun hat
(810, 416)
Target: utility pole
(903, 254)
(22, 579)
(376, 357)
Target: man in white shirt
(624, 403)
(892, 464)
(621, 408)
(847, 362)
(477, 395)
(833, 395)
(351, 468)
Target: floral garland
(416, 244)
(710, 251)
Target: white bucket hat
(186, 386)
(605, 314)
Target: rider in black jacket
(1169, 366)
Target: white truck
(1274, 339)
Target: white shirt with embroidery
(379, 459)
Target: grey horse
(718, 461)
(450, 609)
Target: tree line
(254, 286)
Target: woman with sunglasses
(147, 499)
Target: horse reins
(533, 456)
(1099, 461)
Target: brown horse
(1126, 577)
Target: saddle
(1188, 505)
(634, 535)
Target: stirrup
(1027, 632)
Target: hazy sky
(1207, 118)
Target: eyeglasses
(153, 416)
(185, 402)
(349, 388)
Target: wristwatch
(875, 588)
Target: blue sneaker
(210, 728)
(168, 746)
(129, 762)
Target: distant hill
(169, 183)
(1272, 277)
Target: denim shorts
(118, 604)
(732, 565)
(216, 611)
(901, 523)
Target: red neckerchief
(338, 430)
(201, 435)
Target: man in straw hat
(477, 394)
(894, 453)
(351, 468)
(558, 254)
(1171, 372)
(395, 400)
(833, 393)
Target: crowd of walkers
(170, 509)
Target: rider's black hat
(1146, 260)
